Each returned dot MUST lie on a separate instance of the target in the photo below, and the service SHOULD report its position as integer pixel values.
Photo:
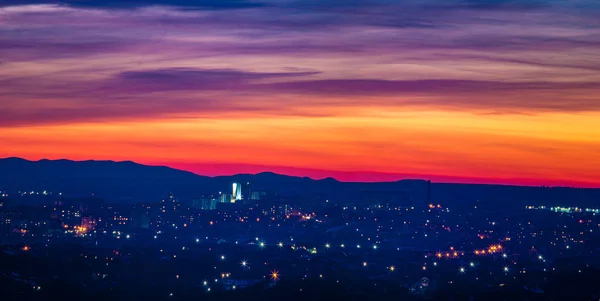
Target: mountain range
(127, 182)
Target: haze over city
(465, 91)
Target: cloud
(210, 93)
(498, 4)
(138, 94)
(125, 4)
(195, 79)
(23, 49)
(392, 87)
(72, 61)
(493, 96)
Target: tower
(237, 192)
(247, 193)
(169, 204)
(428, 192)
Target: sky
(470, 91)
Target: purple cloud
(513, 97)
(194, 79)
(122, 59)
(394, 87)
(132, 94)
(123, 4)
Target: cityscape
(300, 150)
(240, 239)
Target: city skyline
(501, 92)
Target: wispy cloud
(195, 79)
(72, 61)
(125, 4)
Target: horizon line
(342, 176)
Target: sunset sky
(476, 91)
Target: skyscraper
(237, 192)
(209, 204)
(169, 207)
(225, 198)
(247, 193)
(428, 192)
(170, 204)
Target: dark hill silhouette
(132, 182)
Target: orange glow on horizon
(382, 145)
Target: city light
(485, 261)
(274, 275)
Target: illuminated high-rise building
(209, 204)
(237, 192)
(170, 204)
(224, 198)
(206, 202)
(169, 207)
(247, 191)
